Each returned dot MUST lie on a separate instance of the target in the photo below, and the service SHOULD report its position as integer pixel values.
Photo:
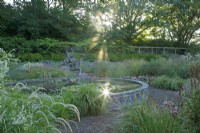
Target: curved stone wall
(129, 97)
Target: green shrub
(148, 119)
(165, 82)
(194, 49)
(41, 56)
(190, 112)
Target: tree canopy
(123, 21)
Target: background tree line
(132, 22)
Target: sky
(8, 1)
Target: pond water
(116, 86)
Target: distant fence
(160, 50)
(140, 50)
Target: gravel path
(98, 124)
(159, 95)
(107, 122)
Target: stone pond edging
(130, 97)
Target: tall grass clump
(163, 66)
(106, 69)
(155, 67)
(190, 111)
(88, 99)
(133, 67)
(21, 112)
(114, 69)
(169, 83)
(195, 74)
(148, 119)
(36, 70)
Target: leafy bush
(165, 82)
(194, 49)
(34, 46)
(41, 56)
(190, 112)
(148, 119)
(19, 44)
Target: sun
(101, 22)
(106, 90)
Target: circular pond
(121, 91)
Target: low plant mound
(169, 83)
(29, 70)
(88, 98)
(148, 119)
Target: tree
(131, 19)
(181, 18)
(36, 19)
(6, 11)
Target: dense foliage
(190, 114)
(25, 25)
(24, 109)
(34, 20)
